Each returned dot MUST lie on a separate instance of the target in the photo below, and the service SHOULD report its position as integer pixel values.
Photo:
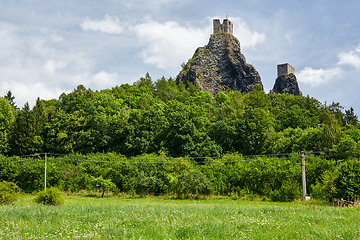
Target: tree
(252, 130)
(98, 183)
(24, 138)
(336, 110)
(192, 182)
(10, 99)
(146, 82)
(7, 117)
(166, 90)
(351, 117)
(257, 98)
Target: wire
(244, 158)
(25, 160)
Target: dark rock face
(220, 65)
(286, 83)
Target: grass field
(160, 218)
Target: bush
(8, 192)
(101, 184)
(289, 191)
(343, 182)
(234, 196)
(50, 196)
(192, 183)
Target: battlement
(226, 26)
(285, 69)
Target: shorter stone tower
(226, 26)
(285, 69)
(286, 81)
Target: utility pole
(302, 156)
(45, 172)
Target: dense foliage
(166, 120)
(51, 196)
(8, 192)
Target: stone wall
(226, 26)
(285, 69)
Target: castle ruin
(285, 69)
(226, 26)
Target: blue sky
(50, 47)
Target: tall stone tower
(285, 69)
(226, 26)
(220, 65)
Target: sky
(49, 47)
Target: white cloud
(136, 4)
(316, 77)
(247, 37)
(32, 66)
(288, 37)
(53, 35)
(103, 78)
(29, 92)
(109, 25)
(52, 66)
(351, 58)
(166, 45)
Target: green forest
(163, 137)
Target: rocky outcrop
(286, 83)
(220, 65)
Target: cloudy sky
(50, 47)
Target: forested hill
(162, 117)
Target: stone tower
(220, 65)
(226, 26)
(285, 69)
(286, 81)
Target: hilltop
(220, 65)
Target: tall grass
(158, 218)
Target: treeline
(276, 177)
(153, 117)
(183, 127)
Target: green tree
(7, 117)
(192, 182)
(10, 98)
(24, 135)
(351, 117)
(336, 110)
(145, 82)
(101, 184)
(166, 90)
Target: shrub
(101, 184)
(343, 182)
(326, 188)
(50, 196)
(8, 192)
(289, 191)
(347, 180)
(192, 183)
(234, 196)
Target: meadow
(163, 218)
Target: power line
(243, 158)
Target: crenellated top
(226, 26)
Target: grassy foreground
(159, 218)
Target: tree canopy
(152, 117)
